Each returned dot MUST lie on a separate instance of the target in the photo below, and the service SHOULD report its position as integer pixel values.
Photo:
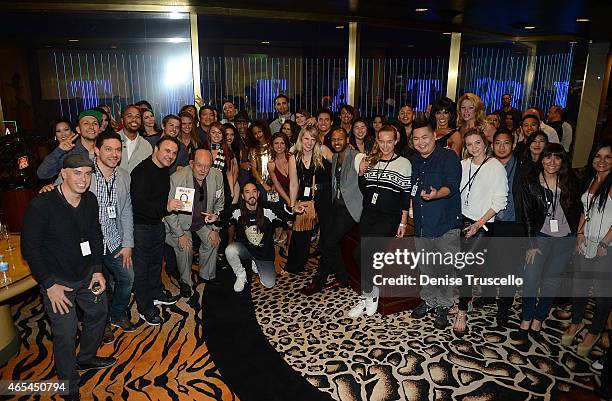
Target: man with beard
(135, 147)
(404, 119)
(508, 109)
(254, 238)
(202, 221)
(242, 125)
(347, 207)
(149, 192)
(281, 104)
(88, 127)
(62, 242)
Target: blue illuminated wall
(77, 80)
(252, 82)
(490, 73)
(387, 83)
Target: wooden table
(22, 280)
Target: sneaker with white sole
(371, 306)
(240, 281)
(359, 309)
(254, 267)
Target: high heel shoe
(585, 350)
(568, 339)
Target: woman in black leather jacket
(551, 204)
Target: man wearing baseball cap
(61, 240)
(82, 143)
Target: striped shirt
(107, 202)
(386, 186)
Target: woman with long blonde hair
(310, 193)
(470, 113)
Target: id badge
(85, 249)
(374, 198)
(554, 225)
(111, 212)
(306, 191)
(415, 188)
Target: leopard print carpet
(394, 357)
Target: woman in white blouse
(484, 191)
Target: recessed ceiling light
(409, 45)
(447, 33)
(573, 42)
(529, 27)
(73, 40)
(582, 20)
(339, 26)
(265, 42)
(420, 10)
(175, 15)
(176, 40)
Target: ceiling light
(339, 26)
(529, 27)
(420, 10)
(573, 42)
(447, 33)
(176, 40)
(265, 42)
(175, 15)
(73, 40)
(409, 45)
(582, 20)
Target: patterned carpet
(170, 362)
(397, 358)
(376, 359)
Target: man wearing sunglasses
(203, 220)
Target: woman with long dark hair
(62, 130)
(443, 117)
(188, 135)
(259, 154)
(535, 144)
(291, 129)
(377, 124)
(278, 167)
(594, 260)
(551, 204)
(360, 138)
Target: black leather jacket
(535, 206)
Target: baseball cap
(90, 113)
(76, 161)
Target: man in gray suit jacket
(203, 220)
(135, 147)
(347, 206)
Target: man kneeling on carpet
(254, 237)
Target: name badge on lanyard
(111, 212)
(415, 188)
(374, 198)
(554, 225)
(85, 249)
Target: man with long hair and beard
(254, 237)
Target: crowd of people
(213, 187)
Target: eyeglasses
(201, 191)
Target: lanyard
(382, 172)
(471, 179)
(554, 203)
(509, 173)
(109, 191)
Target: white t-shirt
(487, 190)
(130, 145)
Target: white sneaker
(359, 309)
(239, 284)
(254, 267)
(371, 305)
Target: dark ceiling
(555, 19)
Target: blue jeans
(545, 274)
(122, 288)
(237, 251)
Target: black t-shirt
(259, 243)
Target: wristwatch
(602, 245)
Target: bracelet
(602, 245)
(402, 224)
(481, 222)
